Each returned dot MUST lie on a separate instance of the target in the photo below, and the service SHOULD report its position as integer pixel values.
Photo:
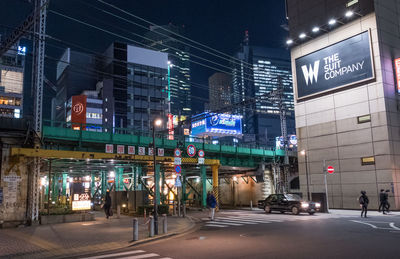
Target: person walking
(107, 204)
(386, 205)
(363, 200)
(211, 203)
(382, 201)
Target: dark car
(288, 202)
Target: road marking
(117, 254)
(365, 223)
(224, 223)
(212, 225)
(140, 256)
(391, 224)
(236, 221)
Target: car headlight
(304, 204)
(318, 205)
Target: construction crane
(36, 21)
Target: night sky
(219, 24)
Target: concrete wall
(327, 126)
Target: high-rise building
(12, 66)
(135, 88)
(220, 91)
(257, 71)
(76, 72)
(347, 83)
(161, 38)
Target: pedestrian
(382, 201)
(107, 205)
(211, 203)
(386, 202)
(363, 200)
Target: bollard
(135, 229)
(144, 214)
(179, 208)
(251, 205)
(184, 209)
(174, 208)
(165, 224)
(118, 211)
(151, 226)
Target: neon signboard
(213, 124)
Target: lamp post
(156, 123)
(304, 153)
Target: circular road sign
(191, 150)
(201, 153)
(330, 169)
(177, 152)
(178, 169)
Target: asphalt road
(239, 234)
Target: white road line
(139, 256)
(391, 224)
(237, 221)
(255, 220)
(117, 254)
(365, 223)
(224, 223)
(213, 225)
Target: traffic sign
(177, 160)
(201, 160)
(330, 169)
(201, 153)
(177, 152)
(178, 169)
(178, 182)
(191, 150)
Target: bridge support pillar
(214, 169)
(157, 184)
(203, 173)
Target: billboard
(342, 64)
(78, 111)
(213, 124)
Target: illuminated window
(364, 119)
(370, 160)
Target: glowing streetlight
(302, 35)
(332, 22)
(289, 42)
(349, 14)
(111, 174)
(315, 29)
(156, 123)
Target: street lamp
(304, 153)
(156, 123)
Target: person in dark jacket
(363, 200)
(382, 201)
(386, 202)
(107, 204)
(212, 203)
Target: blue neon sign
(216, 124)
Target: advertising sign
(78, 111)
(131, 150)
(151, 151)
(109, 148)
(213, 124)
(120, 149)
(160, 152)
(342, 64)
(142, 151)
(81, 202)
(170, 126)
(397, 68)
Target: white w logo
(311, 73)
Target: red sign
(178, 169)
(170, 126)
(120, 149)
(201, 153)
(160, 152)
(330, 169)
(131, 150)
(397, 67)
(109, 148)
(191, 150)
(177, 152)
(78, 111)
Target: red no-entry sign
(330, 169)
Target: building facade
(257, 71)
(137, 92)
(163, 38)
(220, 91)
(12, 69)
(347, 98)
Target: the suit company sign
(342, 64)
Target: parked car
(288, 202)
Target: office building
(12, 68)
(346, 84)
(162, 38)
(220, 91)
(76, 72)
(257, 71)
(137, 92)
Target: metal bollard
(144, 214)
(165, 224)
(151, 226)
(118, 211)
(174, 208)
(184, 209)
(179, 208)
(135, 229)
(251, 205)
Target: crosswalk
(237, 219)
(133, 254)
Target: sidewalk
(69, 239)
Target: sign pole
(326, 187)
